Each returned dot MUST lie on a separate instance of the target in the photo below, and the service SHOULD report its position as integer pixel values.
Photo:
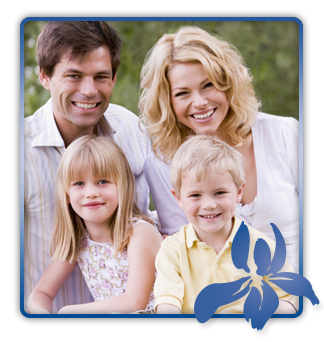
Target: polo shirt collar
(236, 226)
(191, 235)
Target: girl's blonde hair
(205, 154)
(101, 156)
(225, 69)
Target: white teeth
(209, 216)
(204, 116)
(85, 105)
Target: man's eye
(74, 77)
(102, 77)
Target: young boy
(208, 180)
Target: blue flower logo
(258, 307)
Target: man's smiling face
(80, 89)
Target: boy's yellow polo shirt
(185, 265)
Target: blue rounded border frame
(21, 155)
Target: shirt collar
(191, 235)
(48, 133)
(236, 226)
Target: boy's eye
(195, 195)
(220, 193)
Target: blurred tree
(35, 94)
(269, 48)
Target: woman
(194, 83)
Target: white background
(14, 326)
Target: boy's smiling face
(209, 204)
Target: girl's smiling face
(95, 200)
(196, 102)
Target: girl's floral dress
(106, 273)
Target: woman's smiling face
(196, 102)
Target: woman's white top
(275, 141)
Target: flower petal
(262, 257)
(279, 256)
(295, 284)
(252, 304)
(215, 295)
(260, 310)
(240, 248)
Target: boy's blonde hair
(205, 154)
(101, 156)
(225, 69)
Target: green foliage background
(269, 48)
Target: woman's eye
(208, 85)
(182, 93)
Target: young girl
(99, 227)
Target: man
(78, 64)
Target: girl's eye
(78, 183)
(103, 181)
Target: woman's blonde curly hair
(225, 69)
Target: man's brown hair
(76, 38)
